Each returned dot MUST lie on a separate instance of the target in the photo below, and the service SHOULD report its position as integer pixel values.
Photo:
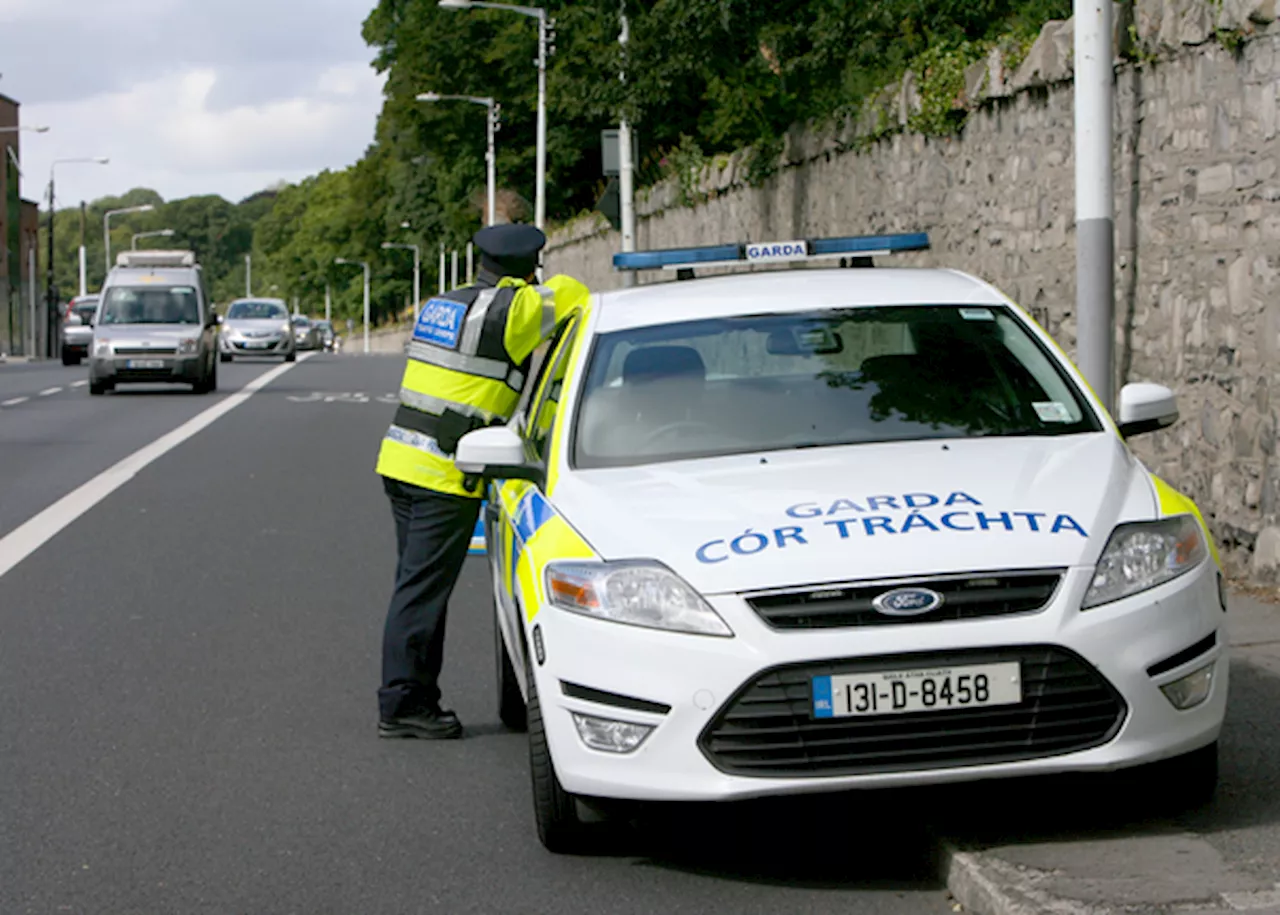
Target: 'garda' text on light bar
(771, 251)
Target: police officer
(468, 361)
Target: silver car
(257, 327)
(306, 335)
(77, 328)
(154, 324)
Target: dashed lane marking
(47, 391)
(14, 402)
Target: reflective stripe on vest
(459, 362)
(437, 405)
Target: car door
(513, 503)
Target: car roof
(173, 276)
(259, 298)
(788, 291)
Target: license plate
(144, 364)
(925, 689)
(256, 345)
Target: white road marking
(39, 530)
(47, 391)
(79, 384)
(14, 402)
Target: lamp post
(365, 265)
(24, 127)
(106, 225)
(494, 125)
(52, 291)
(417, 267)
(546, 39)
(160, 233)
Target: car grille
(768, 728)
(964, 597)
(145, 350)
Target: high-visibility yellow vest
(468, 362)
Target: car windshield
(838, 377)
(151, 305)
(85, 309)
(300, 321)
(250, 311)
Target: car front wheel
(224, 357)
(556, 810)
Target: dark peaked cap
(510, 250)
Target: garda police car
(806, 531)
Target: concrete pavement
(1062, 847)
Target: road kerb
(986, 885)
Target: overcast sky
(187, 96)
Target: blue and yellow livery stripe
(1173, 502)
(533, 534)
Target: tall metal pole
(106, 242)
(31, 298)
(442, 268)
(453, 276)
(417, 282)
(326, 300)
(492, 161)
(248, 275)
(626, 168)
(366, 307)
(51, 303)
(83, 266)
(1095, 203)
(540, 191)
(471, 263)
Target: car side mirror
(1146, 407)
(74, 319)
(496, 452)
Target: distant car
(257, 327)
(328, 337)
(155, 324)
(305, 334)
(77, 328)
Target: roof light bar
(771, 252)
(157, 258)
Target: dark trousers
(433, 533)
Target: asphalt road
(188, 675)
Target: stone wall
(1197, 225)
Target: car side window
(540, 420)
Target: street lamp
(24, 127)
(417, 265)
(494, 124)
(52, 291)
(106, 225)
(365, 265)
(160, 233)
(546, 39)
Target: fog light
(1191, 690)
(608, 735)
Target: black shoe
(440, 724)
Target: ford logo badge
(907, 601)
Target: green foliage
(1231, 39)
(940, 71)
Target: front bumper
(118, 369)
(77, 342)
(698, 677)
(256, 346)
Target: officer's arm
(537, 310)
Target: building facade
(19, 233)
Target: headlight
(636, 592)
(187, 345)
(1145, 554)
(102, 347)
(285, 328)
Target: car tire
(512, 710)
(292, 357)
(211, 383)
(69, 358)
(1193, 776)
(97, 388)
(560, 829)
(224, 357)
